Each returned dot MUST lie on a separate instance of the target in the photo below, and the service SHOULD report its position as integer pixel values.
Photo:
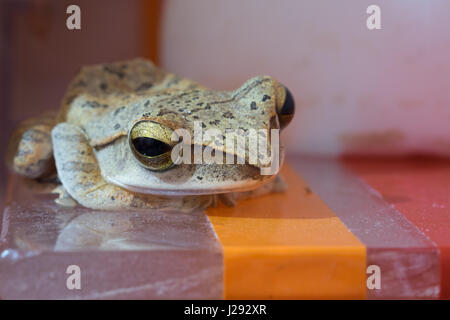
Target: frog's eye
(151, 144)
(285, 106)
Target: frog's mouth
(187, 181)
(124, 170)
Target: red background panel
(420, 189)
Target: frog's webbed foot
(80, 175)
(30, 148)
(276, 185)
(228, 199)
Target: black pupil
(150, 147)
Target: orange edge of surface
(288, 246)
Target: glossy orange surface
(288, 245)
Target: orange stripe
(288, 245)
(150, 19)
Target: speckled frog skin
(100, 159)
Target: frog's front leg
(30, 148)
(80, 175)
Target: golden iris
(151, 144)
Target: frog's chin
(121, 168)
(193, 188)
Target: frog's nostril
(287, 109)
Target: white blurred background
(357, 90)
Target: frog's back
(94, 91)
(97, 89)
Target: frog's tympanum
(113, 139)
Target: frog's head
(176, 143)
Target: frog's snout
(285, 107)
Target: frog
(110, 145)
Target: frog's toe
(64, 199)
(228, 199)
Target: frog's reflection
(97, 230)
(94, 231)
